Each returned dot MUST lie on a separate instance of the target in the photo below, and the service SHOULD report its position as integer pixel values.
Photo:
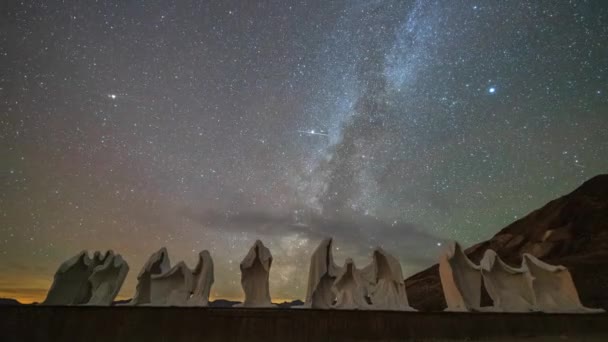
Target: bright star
(112, 96)
(313, 132)
(492, 90)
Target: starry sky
(132, 125)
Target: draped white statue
(171, 288)
(107, 279)
(509, 287)
(350, 288)
(255, 273)
(158, 263)
(159, 284)
(321, 276)
(553, 287)
(85, 280)
(387, 286)
(460, 280)
(203, 279)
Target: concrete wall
(47, 323)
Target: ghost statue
(387, 287)
(202, 280)
(158, 263)
(82, 280)
(159, 284)
(509, 287)
(553, 287)
(107, 279)
(460, 280)
(321, 276)
(255, 272)
(350, 288)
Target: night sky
(132, 125)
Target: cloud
(361, 232)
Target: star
(492, 90)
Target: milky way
(132, 125)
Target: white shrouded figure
(171, 288)
(158, 263)
(202, 280)
(509, 287)
(70, 282)
(460, 280)
(84, 280)
(321, 276)
(255, 273)
(553, 287)
(107, 279)
(350, 288)
(159, 284)
(387, 290)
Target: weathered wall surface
(40, 323)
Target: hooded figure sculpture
(70, 282)
(553, 287)
(203, 280)
(387, 290)
(160, 284)
(158, 263)
(171, 288)
(350, 288)
(107, 279)
(255, 272)
(321, 276)
(85, 280)
(460, 280)
(510, 288)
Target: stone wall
(77, 323)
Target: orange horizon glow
(31, 296)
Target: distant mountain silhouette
(218, 303)
(9, 301)
(222, 303)
(571, 231)
(121, 302)
(286, 305)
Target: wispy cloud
(359, 231)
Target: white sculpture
(159, 284)
(387, 291)
(460, 280)
(107, 279)
(350, 288)
(171, 288)
(553, 287)
(202, 280)
(255, 272)
(70, 282)
(510, 288)
(321, 276)
(85, 280)
(158, 263)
